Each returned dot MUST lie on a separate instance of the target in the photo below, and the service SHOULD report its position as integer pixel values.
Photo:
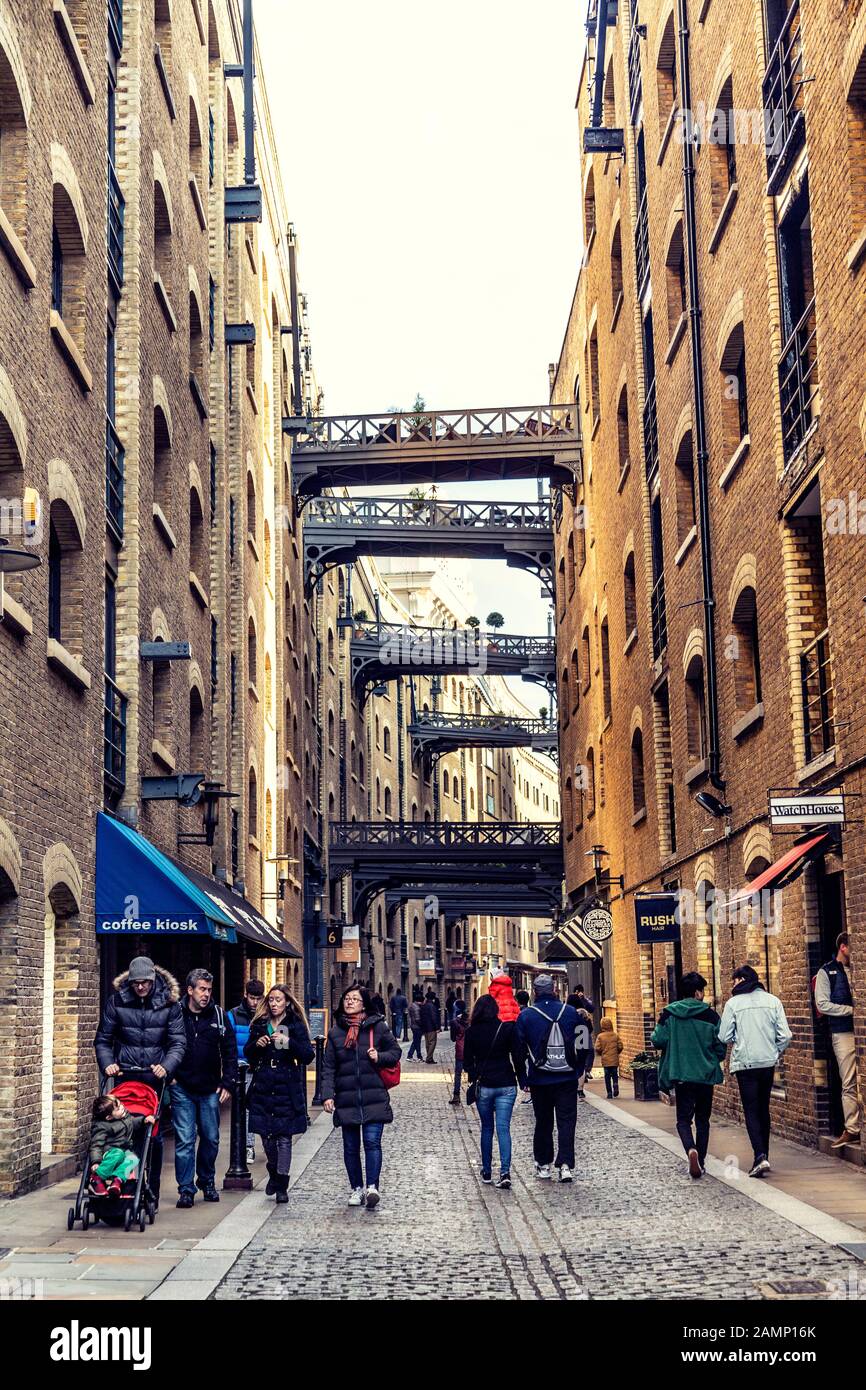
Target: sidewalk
(828, 1185)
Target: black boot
(273, 1180)
(283, 1189)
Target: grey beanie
(141, 968)
(543, 984)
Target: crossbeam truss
(441, 731)
(380, 652)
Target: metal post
(249, 115)
(320, 1057)
(238, 1176)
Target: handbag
(390, 1075)
(472, 1088)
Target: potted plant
(645, 1074)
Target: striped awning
(570, 942)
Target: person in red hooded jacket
(502, 991)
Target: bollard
(320, 1056)
(238, 1176)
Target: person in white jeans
(834, 1000)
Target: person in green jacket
(688, 1034)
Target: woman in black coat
(358, 1045)
(277, 1049)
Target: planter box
(646, 1083)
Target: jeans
(278, 1152)
(415, 1049)
(372, 1136)
(554, 1099)
(755, 1085)
(496, 1103)
(611, 1081)
(694, 1102)
(430, 1040)
(398, 1024)
(458, 1072)
(191, 1115)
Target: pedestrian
(112, 1157)
(585, 1018)
(430, 1027)
(205, 1079)
(494, 1064)
(459, 1002)
(142, 1029)
(278, 1049)
(359, 1045)
(449, 1007)
(502, 991)
(608, 1046)
(432, 998)
(240, 1018)
(549, 1031)
(415, 1024)
(835, 1001)
(458, 1037)
(754, 1021)
(522, 997)
(688, 1034)
(377, 1004)
(399, 1006)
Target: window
(798, 366)
(269, 686)
(629, 595)
(388, 802)
(685, 487)
(331, 743)
(162, 478)
(696, 713)
(586, 657)
(252, 652)
(197, 552)
(13, 144)
(162, 235)
(616, 271)
(196, 151)
(666, 75)
(196, 341)
(605, 669)
(589, 210)
(197, 750)
(675, 279)
(572, 573)
(594, 378)
(747, 663)
(560, 584)
(252, 527)
(735, 401)
(590, 782)
(638, 782)
(253, 803)
(622, 430)
(386, 742)
(664, 770)
(575, 681)
(723, 149)
(446, 783)
(68, 280)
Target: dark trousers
(755, 1086)
(458, 1072)
(556, 1099)
(278, 1152)
(415, 1049)
(611, 1081)
(694, 1102)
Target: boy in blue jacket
(555, 1043)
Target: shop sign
(807, 810)
(597, 923)
(318, 1022)
(427, 967)
(657, 917)
(349, 949)
(161, 926)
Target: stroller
(135, 1204)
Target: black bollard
(238, 1176)
(320, 1056)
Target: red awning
(795, 860)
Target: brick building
(710, 608)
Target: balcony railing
(641, 246)
(651, 431)
(635, 88)
(116, 207)
(114, 742)
(798, 382)
(115, 25)
(816, 682)
(659, 618)
(114, 459)
(783, 98)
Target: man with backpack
(204, 1081)
(551, 1035)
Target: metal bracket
(239, 334)
(243, 203)
(186, 788)
(165, 651)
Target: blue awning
(139, 891)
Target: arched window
(162, 258)
(675, 279)
(68, 278)
(65, 556)
(629, 595)
(575, 681)
(590, 782)
(331, 743)
(196, 345)
(269, 686)
(330, 647)
(586, 655)
(361, 767)
(196, 154)
(638, 784)
(696, 714)
(386, 741)
(269, 824)
(14, 163)
(735, 398)
(747, 663)
(197, 749)
(666, 75)
(446, 783)
(685, 486)
(605, 669)
(252, 521)
(622, 429)
(267, 539)
(252, 651)
(161, 460)
(723, 149)
(253, 803)
(589, 210)
(616, 273)
(378, 797)
(388, 801)
(197, 552)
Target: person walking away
(688, 1034)
(417, 1031)
(522, 997)
(359, 1045)
(142, 1030)
(556, 1043)
(430, 1027)
(754, 1021)
(494, 1062)
(449, 1007)
(240, 1018)
(277, 1050)
(205, 1079)
(835, 1001)
(460, 1002)
(459, 1025)
(582, 1001)
(608, 1046)
(585, 1019)
(112, 1157)
(502, 991)
(399, 1006)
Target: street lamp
(16, 561)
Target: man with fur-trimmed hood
(142, 1029)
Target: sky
(429, 156)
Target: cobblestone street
(632, 1224)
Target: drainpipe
(701, 451)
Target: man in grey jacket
(834, 1000)
(754, 1021)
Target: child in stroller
(112, 1157)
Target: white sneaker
(372, 1197)
(357, 1197)
(542, 1170)
(251, 1154)
(565, 1173)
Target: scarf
(353, 1028)
(746, 986)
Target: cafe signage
(656, 917)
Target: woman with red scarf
(359, 1045)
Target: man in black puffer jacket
(142, 1030)
(205, 1080)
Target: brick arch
(615, 220)
(724, 70)
(745, 577)
(13, 427)
(160, 398)
(63, 174)
(10, 855)
(682, 427)
(628, 547)
(674, 220)
(705, 869)
(693, 646)
(758, 844)
(730, 318)
(196, 681)
(194, 98)
(161, 632)
(854, 51)
(161, 177)
(195, 482)
(63, 880)
(195, 289)
(11, 52)
(636, 721)
(62, 487)
(661, 25)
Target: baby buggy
(135, 1204)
